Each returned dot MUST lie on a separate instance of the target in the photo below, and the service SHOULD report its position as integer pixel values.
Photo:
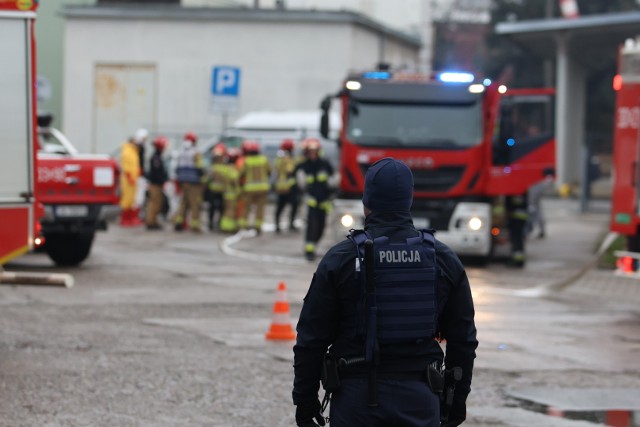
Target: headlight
(475, 223)
(346, 221)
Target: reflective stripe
(284, 168)
(217, 177)
(256, 173)
(326, 206)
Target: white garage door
(125, 96)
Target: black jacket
(317, 173)
(157, 173)
(329, 310)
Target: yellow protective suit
(130, 172)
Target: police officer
(389, 377)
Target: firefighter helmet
(287, 145)
(219, 150)
(311, 144)
(191, 136)
(140, 136)
(250, 146)
(160, 142)
(233, 154)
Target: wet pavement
(166, 329)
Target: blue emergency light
(377, 75)
(456, 77)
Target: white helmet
(141, 135)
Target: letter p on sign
(226, 81)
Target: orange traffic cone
(281, 324)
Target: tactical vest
(405, 287)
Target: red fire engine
(18, 204)
(625, 203)
(468, 142)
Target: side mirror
(325, 106)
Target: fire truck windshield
(447, 126)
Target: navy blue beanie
(388, 186)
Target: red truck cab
(469, 142)
(79, 193)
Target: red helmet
(233, 153)
(250, 146)
(219, 149)
(160, 142)
(287, 145)
(190, 136)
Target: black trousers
(400, 403)
(292, 199)
(216, 208)
(316, 220)
(517, 228)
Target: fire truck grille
(437, 180)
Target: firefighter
(536, 214)
(254, 176)
(316, 176)
(156, 176)
(189, 175)
(386, 375)
(516, 210)
(215, 185)
(131, 172)
(231, 191)
(285, 183)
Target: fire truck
(469, 142)
(18, 202)
(625, 202)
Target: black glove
(457, 415)
(307, 411)
(453, 422)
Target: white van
(270, 128)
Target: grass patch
(608, 260)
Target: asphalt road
(167, 329)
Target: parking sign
(226, 81)
(225, 88)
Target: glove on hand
(307, 411)
(130, 179)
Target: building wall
(285, 66)
(49, 29)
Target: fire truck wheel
(69, 249)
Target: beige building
(127, 67)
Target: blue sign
(225, 81)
